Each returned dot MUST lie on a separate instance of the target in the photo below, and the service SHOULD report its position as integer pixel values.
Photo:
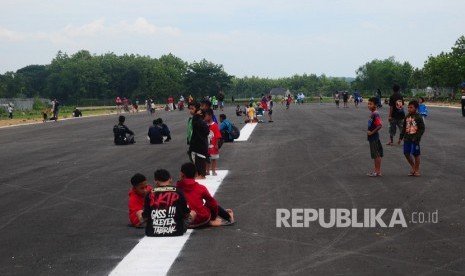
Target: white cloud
(9, 35)
(143, 26)
(94, 30)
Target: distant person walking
(337, 97)
(269, 104)
(379, 96)
(463, 99)
(10, 110)
(356, 98)
(396, 113)
(221, 100)
(171, 103)
(152, 107)
(136, 105)
(214, 102)
(56, 109)
(126, 104)
(119, 104)
(288, 101)
(345, 98)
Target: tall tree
(206, 78)
(383, 74)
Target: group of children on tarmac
(169, 210)
(411, 126)
(255, 111)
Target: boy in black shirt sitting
(123, 135)
(165, 208)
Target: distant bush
(38, 104)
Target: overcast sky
(248, 37)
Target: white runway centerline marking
(155, 255)
(246, 131)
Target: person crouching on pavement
(208, 212)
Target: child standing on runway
(413, 129)
(374, 125)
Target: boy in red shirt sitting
(206, 213)
(137, 194)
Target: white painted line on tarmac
(246, 131)
(446, 106)
(59, 120)
(155, 255)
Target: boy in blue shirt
(225, 129)
(422, 109)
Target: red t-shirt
(214, 136)
(135, 203)
(195, 195)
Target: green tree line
(86, 76)
(446, 70)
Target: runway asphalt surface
(64, 185)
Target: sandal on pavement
(231, 220)
(227, 223)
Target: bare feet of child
(216, 222)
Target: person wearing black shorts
(345, 98)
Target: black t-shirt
(396, 102)
(199, 138)
(120, 131)
(345, 96)
(165, 209)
